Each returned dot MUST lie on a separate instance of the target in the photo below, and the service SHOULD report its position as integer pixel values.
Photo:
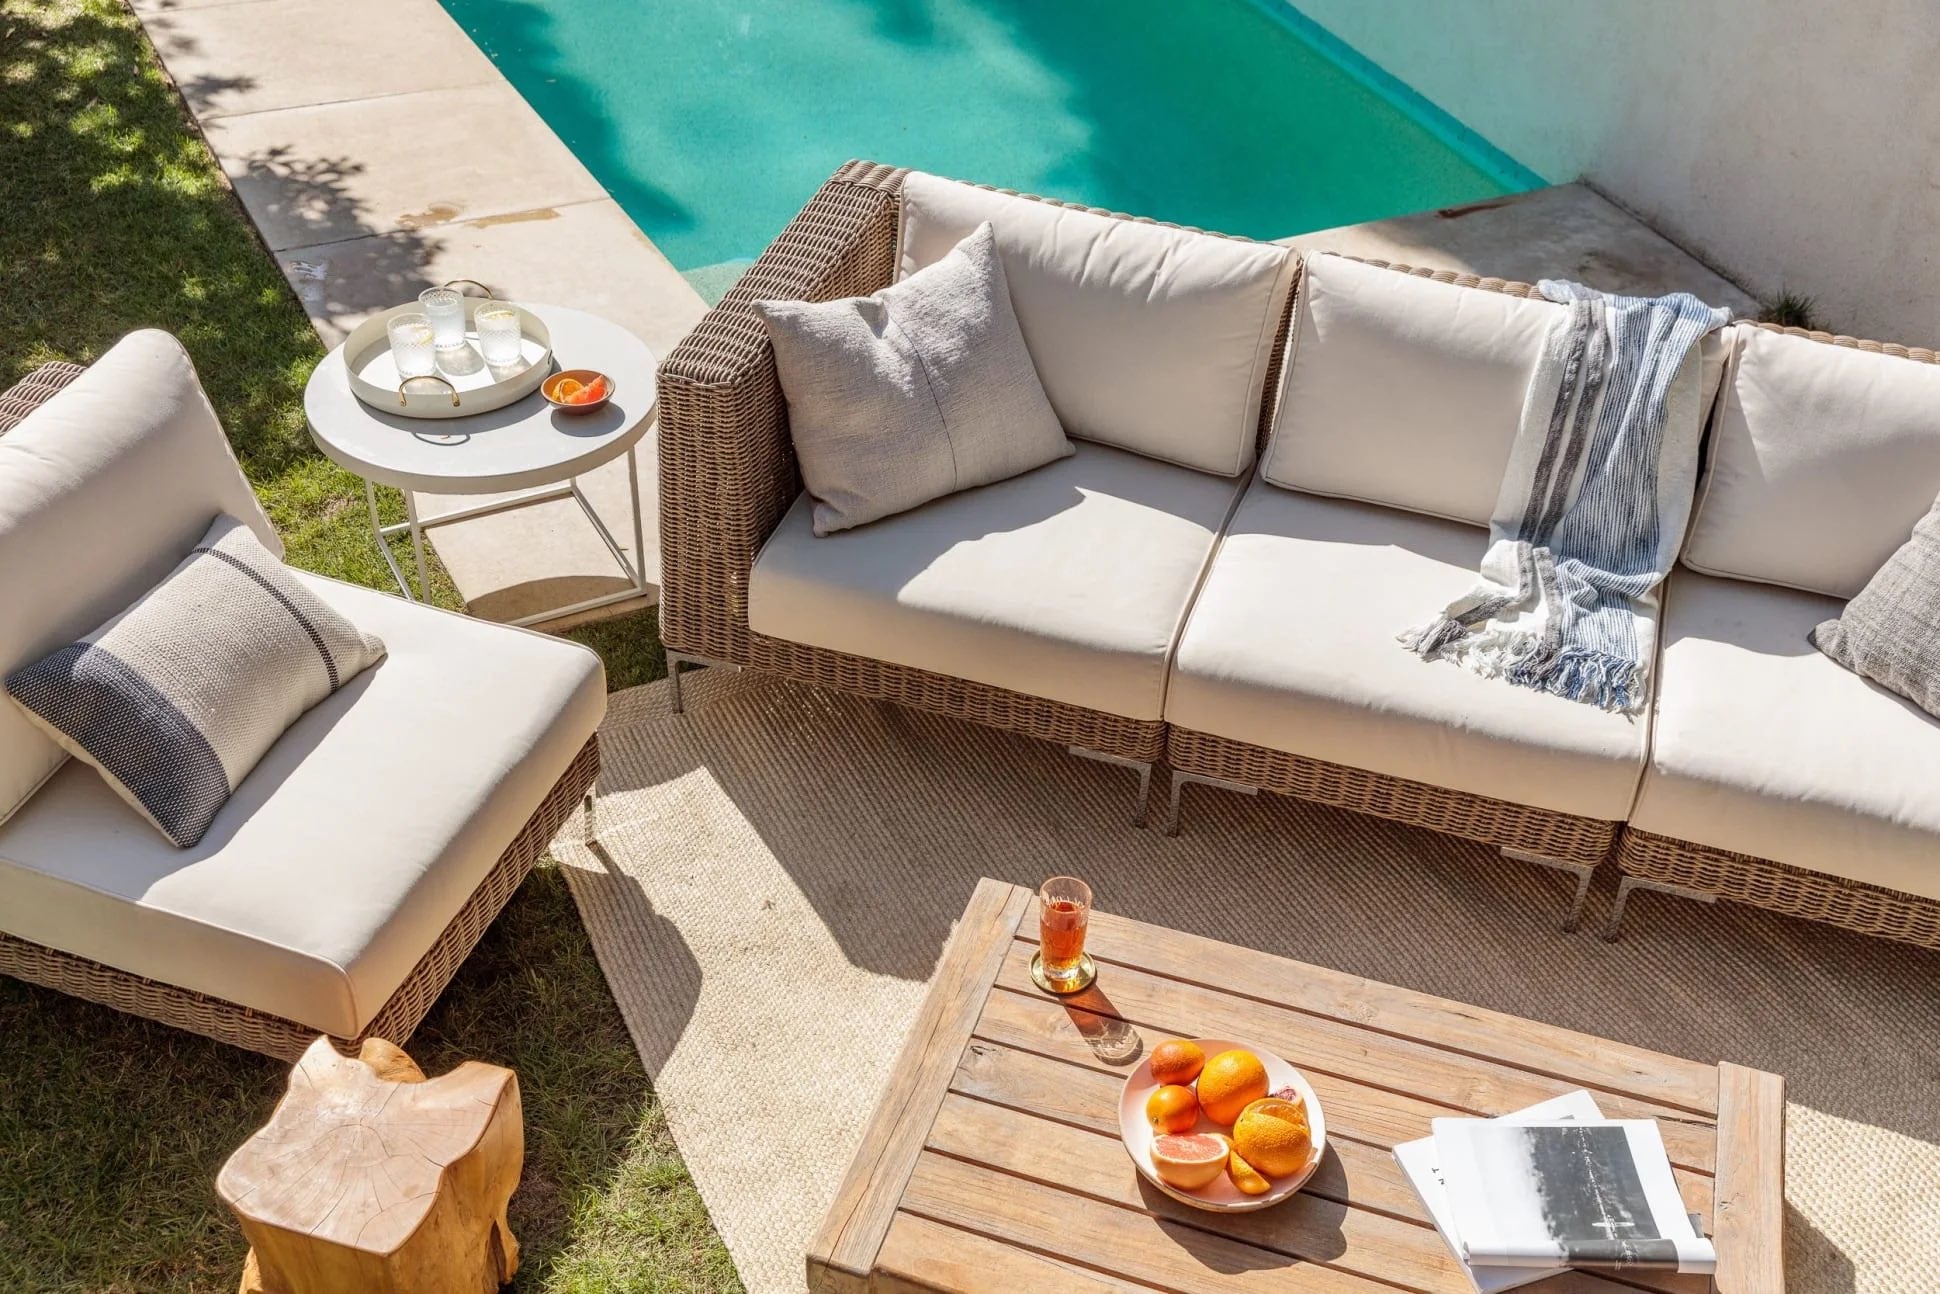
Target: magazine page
(1578, 1194)
(1423, 1169)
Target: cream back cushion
(1823, 458)
(103, 489)
(1153, 339)
(1407, 392)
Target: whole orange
(1177, 1061)
(1172, 1109)
(1229, 1083)
(1273, 1136)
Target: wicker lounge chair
(95, 904)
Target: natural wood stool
(371, 1178)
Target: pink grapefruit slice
(1190, 1160)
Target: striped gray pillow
(1890, 632)
(174, 700)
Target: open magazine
(1423, 1168)
(1571, 1193)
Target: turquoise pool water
(711, 121)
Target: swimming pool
(711, 121)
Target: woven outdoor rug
(778, 870)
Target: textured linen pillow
(1890, 631)
(918, 391)
(174, 700)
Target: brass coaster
(1087, 972)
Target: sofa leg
(1583, 872)
(1180, 780)
(675, 659)
(1140, 766)
(1614, 926)
(592, 823)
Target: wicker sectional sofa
(1170, 600)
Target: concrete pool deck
(1567, 231)
(379, 152)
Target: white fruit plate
(1221, 1196)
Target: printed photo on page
(1580, 1194)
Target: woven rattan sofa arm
(34, 390)
(727, 467)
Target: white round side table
(527, 447)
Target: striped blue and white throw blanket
(1593, 505)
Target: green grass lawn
(113, 216)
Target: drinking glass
(412, 345)
(446, 310)
(1063, 911)
(498, 334)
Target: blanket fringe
(1578, 673)
(1581, 674)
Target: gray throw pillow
(921, 390)
(174, 700)
(1890, 631)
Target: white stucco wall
(1793, 144)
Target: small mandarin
(1177, 1061)
(1172, 1109)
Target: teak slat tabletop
(993, 1160)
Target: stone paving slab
(1567, 231)
(546, 555)
(332, 172)
(588, 255)
(234, 58)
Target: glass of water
(499, 334)
(446, 310)
(413, 345)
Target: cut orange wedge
(567, 389)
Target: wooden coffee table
(993, 1161)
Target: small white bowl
(1221, 1196)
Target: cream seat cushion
(1068, 582)
(346, 851)
(103, 490)
(1765, 746)
(1822, 460)
(1406, 391)
(1291, 646)
(1147, 337)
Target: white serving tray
(458, 390)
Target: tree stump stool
(373, 1179)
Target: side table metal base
(415, 527)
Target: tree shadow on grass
(118, 218)
(112, 1129)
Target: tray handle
(426, 377)
(452, 283)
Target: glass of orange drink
(1063, 910)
